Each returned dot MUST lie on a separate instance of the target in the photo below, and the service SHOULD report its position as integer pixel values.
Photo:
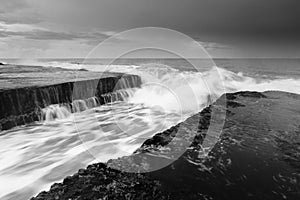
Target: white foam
(178, 91)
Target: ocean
(36, 155)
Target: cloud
(38, 33)
(3, 34)
(34, 40)
(18, 27)
(18, 11)
(43, 35)
(11, 5)
(89, 22)
(213, 45)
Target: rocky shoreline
(98, 181)
(256, 157)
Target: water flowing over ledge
(20, 106)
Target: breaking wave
(173, 90)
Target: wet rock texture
(255, 157)
(100, 182)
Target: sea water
(34, 156)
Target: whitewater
(68, 138)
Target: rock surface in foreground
(256, 157)
(100, 182)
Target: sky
(72, 28)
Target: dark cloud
(11, 5)
(3, 34)
(229, 22)
(10, 18)
(48, 35)
(225, 19)
(18, 11)
(209, 19)
(215, 18)
(40, 35)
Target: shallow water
(35, 156)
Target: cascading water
(55, 112)
(122, 91)
(62, 111)
(120, 95)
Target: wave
(172, 90)
(163, 73)
(188, 92)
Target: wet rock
(83, 70)
(250, 94)
(256, 157)
(234, 104)
(101, 182)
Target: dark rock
(83, 70)
(234, 104)
(250, 94)
(160, 139)
(230, 96)
(101, 182)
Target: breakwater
(20, 106)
